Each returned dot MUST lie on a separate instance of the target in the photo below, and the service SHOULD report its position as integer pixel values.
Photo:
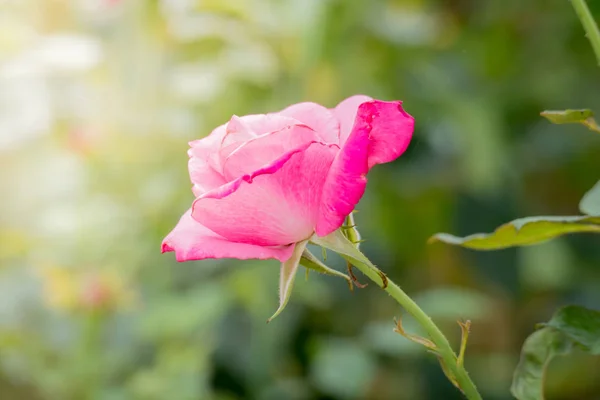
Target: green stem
(437, 337)
(339, 242)
(591, 29)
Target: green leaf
(590, 203)
(287, 276)
(570, 326)
(523, 232)
(567, 116)
(539, 349)
(579, 324)
(309, 261)
(583, 116)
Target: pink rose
(266, 182)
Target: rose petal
(203, 176)
(192, 241)
(263, 150)
(319, 118)
(345, 112)
(238, 130)
(208, 155)
(381, 133)
(391, 129)
(241, 129)
(208, 146)
(276, 205)
(203, 165)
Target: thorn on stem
(465, 328)
(354, 278)
(350, 284)
(414, 338)
(449, 373)
(384, 279)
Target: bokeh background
(98, 99)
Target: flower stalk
(589, 25)
(451, 364)
(442, 346)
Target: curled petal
(203, 165)
(345, 112)
(275, 205)
(381, 133)
(207, 155)
(390, 129)
(263, 150)
(238, 130)
(241, 129)
(192, 241)
(203, 148)
(204, 177)
(319, 118)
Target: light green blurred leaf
(590, 203)
(181, 315)
(288, 389)
(567, 116)
(179, 367)
(343, 369)
(523, 232)
(547, 266)
(380, 337)
(454, 303)
(570, 326)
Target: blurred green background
(98, 99)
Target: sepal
(287, 276)
(310, 262)
(338, 242)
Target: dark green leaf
(590, 203)
(522, 232)
(570, 326)
(579, 324)
(567, 116)
(538, 351)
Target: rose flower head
(265, 184)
